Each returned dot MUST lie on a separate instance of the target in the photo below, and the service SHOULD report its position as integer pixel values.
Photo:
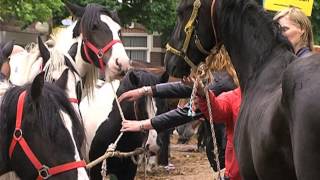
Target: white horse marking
(119, 55)
(82, 174)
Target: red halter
(99, 52)
(73, 100)
(44, 171)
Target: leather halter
(44, 171)
(73, 100)
(98, 52)
(188, 29)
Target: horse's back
(301, 99)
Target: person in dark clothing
(224, 80)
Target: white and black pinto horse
(40, 133)
(143, 108)
(91, 42)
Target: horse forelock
(91, 18)
(44, 114)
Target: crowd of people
(224, 93)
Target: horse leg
(122, 168)
(201, 137)
(99, 145)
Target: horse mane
(43, 113)
(63, 40)
(260, 27)
(91, 18)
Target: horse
(40, 133)
(97, 34)
(276, 135)
(5, 52)
(124, 168)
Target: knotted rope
(201, 74)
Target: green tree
(155, 15)
(28, 11)
(315, 19)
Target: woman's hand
(129, 125)
(131, 95)
(188, 80)
(136, 126)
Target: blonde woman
(224, 79)
(296, 26)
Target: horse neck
(63, 42)
(249, 37)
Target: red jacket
(225, 109)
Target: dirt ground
(189, 164)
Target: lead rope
(213, 134)
(112, 147)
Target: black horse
(41, 119)
(125, 168)
(5, 52)
(276, 135)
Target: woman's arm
(163, 90)
(161, 122)
(171, 90)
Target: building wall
(154, 52)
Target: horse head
(5, 52)
(25, 66)
(101, 44)
(192, 39)
(47, 133)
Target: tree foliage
(28, 11)
(155, 15)
(315, 20)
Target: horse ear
(62, 81)
(133, 78)
(44, 51)
(7, 49)
(37, 85)
(74, 9)
(164, 77)
(73, 50)
(76, 30)
(115, 16)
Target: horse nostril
(118, 64)
(147, 147)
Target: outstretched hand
(129, 125)
(131, 95)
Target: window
(140, 55)
(135, 41)
(136, 47)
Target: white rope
(112, 147)
(213, 133)
(197, 83)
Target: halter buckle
(100, 53)
(17, 134)
(44, 172)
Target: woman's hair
(218, 62)
(300, 20)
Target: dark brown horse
(276, 135)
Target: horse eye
(119, 34)
(284, 29)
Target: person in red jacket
(225, 109)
